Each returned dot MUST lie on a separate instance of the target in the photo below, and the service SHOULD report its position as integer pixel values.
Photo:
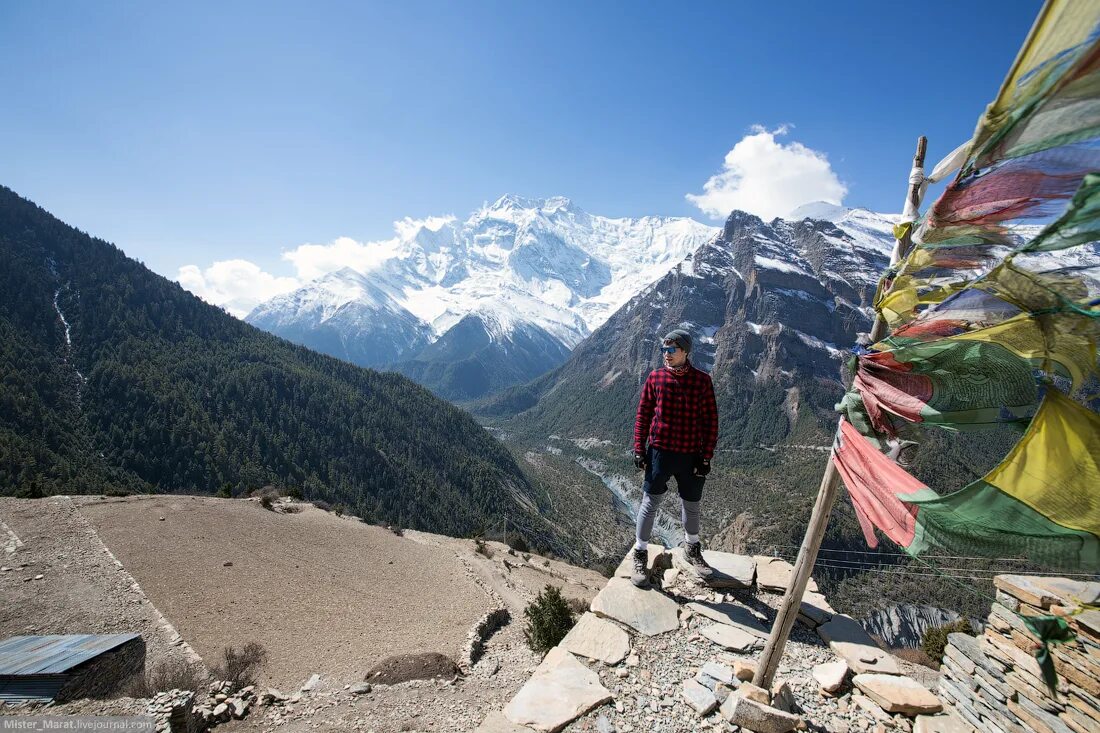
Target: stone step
(851, 643)
(731, 638)
(898, 694)
(597, 639)
(560, 691)
(730, 570)
(731, 614)
(648, 611)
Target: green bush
(549, 619)
(935, 639)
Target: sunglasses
(670, 349)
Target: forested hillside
(160, 392)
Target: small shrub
(239, 667)
(548, 620)
(935, 639)
(578, 606)
(226, 491)
(482, 548)
(516, 541)
(164, 676)
(265, 502)
(294, 493)
(340, 510)
(322, 505)
(396, 530)
(914, 655)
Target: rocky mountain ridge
(510, 291)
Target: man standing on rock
(674, 436)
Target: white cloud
(314, 260)
(236, 285)
(769, 179)
(240, 285)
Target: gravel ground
(648, 698)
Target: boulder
(898, 694)
(560, 690)
(756, 717)
(731, 614)
(730, 571)
(597, 639)
(830, 677)
(648, 611)
(699, 697)
(852, 644)
(731, 638)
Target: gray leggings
(648, 513)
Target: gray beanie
(681, 338)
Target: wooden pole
(826, 497)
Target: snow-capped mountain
(524, 280)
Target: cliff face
(904, 625)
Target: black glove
(702, 466)
(639, 461)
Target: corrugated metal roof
(54, 654)
(42, 688)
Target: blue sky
(216, 131)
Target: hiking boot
(640, 576)
(693, 553)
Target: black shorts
(665, 464)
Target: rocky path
(680, 657)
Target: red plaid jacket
(677, 413)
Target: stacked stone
(994, 681)
(172, 712)
(221, 705)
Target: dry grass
(165, 676)
(239, 667)
(916, 656)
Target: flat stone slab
(648, 611)
(626, 567)
(754, 716)
(731, 614)
(774, 574)
(560, 690)
(731, 638)
(830, 676)
(949, 723)
(699, 697)
(597, 639)
(851, 643)
(730, 571)
(495, 722)
(898, 694)
(815, 609)
(719, 672)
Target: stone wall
(102, 675)
(994, 681)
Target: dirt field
(321, 593)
